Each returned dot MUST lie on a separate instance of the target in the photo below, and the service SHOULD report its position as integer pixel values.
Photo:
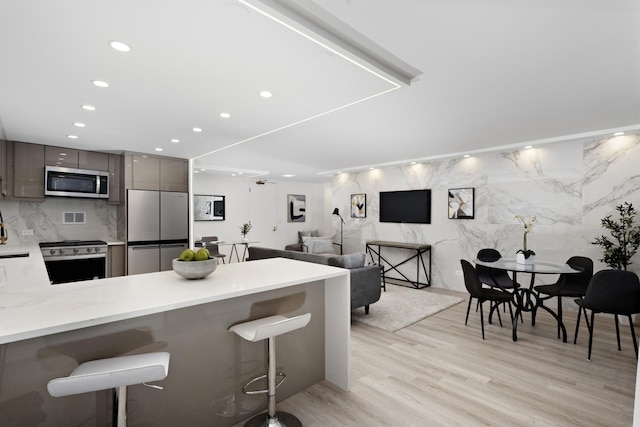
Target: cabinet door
(174, 174)
(116, 192)
(146, 172)
(59, 156)
(116, 261)
(28, 178)
(93, 160)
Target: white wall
(568, 186)
(263, 205)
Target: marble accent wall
(569, 187)
(45, 218)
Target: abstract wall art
(461, 203)
(359, 205)
(296, 207)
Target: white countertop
(31, 307)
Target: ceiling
(355, 83)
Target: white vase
(520, 259)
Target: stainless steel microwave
(68, 182)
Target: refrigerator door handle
(141, 247)
(173, 245)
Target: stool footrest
(261, 377)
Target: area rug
(401, 306)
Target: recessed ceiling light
(288, 175)
(466, 156)
(158, 149)
(78, 124)
(225, 115)
(413, 163)
(197, 129)
(89, 107)
(618, 133)
(175, 140)
(100, 83)
(120, 46)
(371, 169)
(528, 146)
(72, 136)
(266, 94)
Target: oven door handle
(73, 257)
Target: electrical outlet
(458, 272)
(27, 232)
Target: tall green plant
(626, 235)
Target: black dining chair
(475, 289)
(572, 285)
(492, 277)
(614, 292)
(212, 247)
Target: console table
(419, 248)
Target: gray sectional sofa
(365, 280)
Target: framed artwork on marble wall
(359, 205)
(296, 207)
(461, 203)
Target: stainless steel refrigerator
(157, 229)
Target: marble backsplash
(568, 186)
(45, 218)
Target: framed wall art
(208, 208)
(359, 205)
(296, 207)
(461, 203)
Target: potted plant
(626, 238)
(244, 229)
(524, 255)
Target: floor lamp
(337, 212)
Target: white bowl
(194, 269)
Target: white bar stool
(116, 373)
(260, 329)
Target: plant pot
(520, 259)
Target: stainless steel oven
(75, 260)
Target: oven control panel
(76, 249)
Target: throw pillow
(307, 233)
(318, 245)
(355, 260)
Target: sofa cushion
(318, 245)
(355, 260)
(307, 233)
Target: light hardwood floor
(439, 372)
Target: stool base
(282, 419)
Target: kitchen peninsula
(45, 331)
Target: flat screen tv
(410, 206)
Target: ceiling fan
(264, 181)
